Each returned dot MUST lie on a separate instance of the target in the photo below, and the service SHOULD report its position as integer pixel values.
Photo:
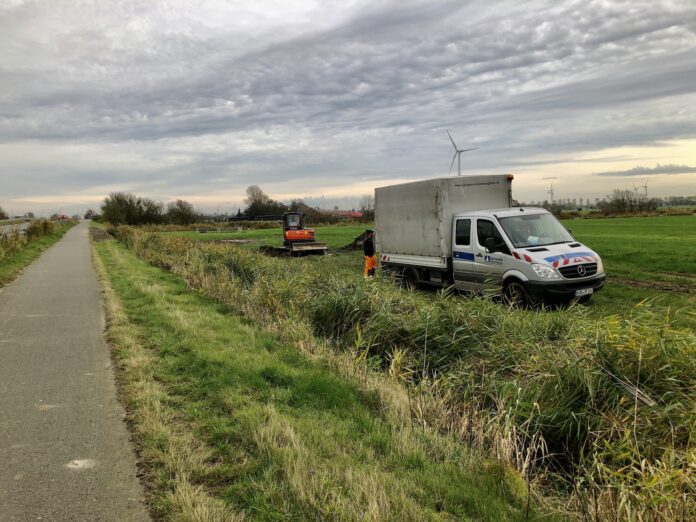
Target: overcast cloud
(176, 98)
(647, 171)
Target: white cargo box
(415, 219)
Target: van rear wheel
(410, 279)
(516, 294)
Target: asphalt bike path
(64, 448)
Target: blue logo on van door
(464, 256)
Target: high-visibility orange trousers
(370, 266)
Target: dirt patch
(665, 286)
(99, 234)
(688, 275)
(356, 244)
(274, 251)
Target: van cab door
(489, 266)
(463, 255)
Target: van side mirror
(489, 243)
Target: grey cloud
(514, 80)
(645, 171)
(314, 79)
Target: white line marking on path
(81, 464)
(46, 407)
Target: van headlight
(545, 271)
(600, 265)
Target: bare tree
(181, 212)
(255, 195)
(367, 202)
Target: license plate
(583, 291)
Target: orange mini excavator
(298, 240)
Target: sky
(327, 100)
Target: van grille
(577, 271)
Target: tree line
(620, 201)
(124, 208)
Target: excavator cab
(292, 221)
(294, 231)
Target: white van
(446, 232)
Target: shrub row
(607, 405)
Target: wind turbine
(550, 192)
(646, 188)
(635, 190)
(457, 155)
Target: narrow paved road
(6, 229)
(64, 449)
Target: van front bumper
(563, 290)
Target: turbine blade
(450, 137)
(466, 150)
(453, 158)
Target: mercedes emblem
(581, 270)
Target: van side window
(486, 229)
(462, 235)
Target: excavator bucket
(315, 247)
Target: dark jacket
(369, 246)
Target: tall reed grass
(603, 410)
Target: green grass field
(232, 423)
(335, 237)
(645, 258)
(650, 258)
(644, 249)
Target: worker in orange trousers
(369, 251)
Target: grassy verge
(605, 404)
(232, 423)
(13, 261)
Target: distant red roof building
(347, 214)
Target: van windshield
(529, 230)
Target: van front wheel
(516, 294)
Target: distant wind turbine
(646, 188)
(457, 155)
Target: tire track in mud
(663, 286)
